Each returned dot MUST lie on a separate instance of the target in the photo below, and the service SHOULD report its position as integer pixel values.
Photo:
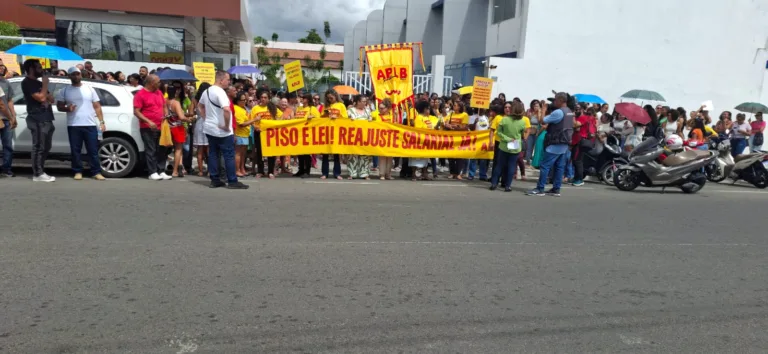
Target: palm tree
(274, 38)
(327, 30)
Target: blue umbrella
(175, 75)
(44, 51)
(588, 98)
(243, 69)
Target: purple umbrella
(243, 69)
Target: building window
(118, 42)
(162, 40)
(504, 10)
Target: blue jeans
(548, 162)
(508, 165)
(472, 167)
(336, 165)
(6, 136)
(375, 160)
(225, 145)
(483, 168)
(738, 144)
(90, 136)
(530, 144)
(568, 165)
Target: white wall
(677, 48)
(373, 27)
(395, 12)
(464, 30)
(127, 67)
(348, 55)
(424, 25)
(504, 37)
(358, 40)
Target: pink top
(757, 126)
(150, 104)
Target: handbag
(757, 140)
(165, 134)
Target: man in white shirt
(217, 120)
(83, 109)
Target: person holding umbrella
(756, 138)
(39, 117)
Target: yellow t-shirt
(710, 130)
(422, 122)
(241, 116)
(458, 118)
(495, 125)
(434, 121)
(377, 116)
(336, 110)
(263, 113)
(306, 112)
(527, 122)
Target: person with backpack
(584, 134)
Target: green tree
(312, 37)
(9, 29)
(274, 37)
(259, 40)
(286, 55)
(327, 30)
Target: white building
(687, 50)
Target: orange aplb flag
(391, 70)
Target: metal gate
(421, 83)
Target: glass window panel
(106, 99)
(504, 10)
(121, 42)
(83, 38)
(163, 40)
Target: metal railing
(421, 83)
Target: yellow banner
(481, 92)
(166, 58)
(44, 62)
(391, 68)
(348, 137)
(204, 72)
(293, 76)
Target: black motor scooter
(603, 160)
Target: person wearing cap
(558, 138)
(84, 120)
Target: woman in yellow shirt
(422, 121)
(306, 111)
(384, 114)
(334, 109)
(458, 120)
(242, 133)
(265, 110)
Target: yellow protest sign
(204, 72)
(481, 92)
(44, 62)
(294, 78)
(166, 58)
(346, 136)
(391, 69)
(11, 62)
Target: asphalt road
(133, 266)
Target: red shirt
(756, 126)
(583, 131)
(150, 104)
(232, 109)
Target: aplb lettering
(393, 72)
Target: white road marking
(340, 182)
(443, 185)
(473, 243)
(739, 191)
(632, 340)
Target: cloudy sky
(290, 19)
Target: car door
(22, 139)
(60, 144)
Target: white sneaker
(165, 177)
(155, 177)
(43, 178)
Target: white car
(121, 148)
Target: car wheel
(118, 157)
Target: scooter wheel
(607, 174)
(626, 180)
(715, 173)
(761, 179)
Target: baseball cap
(73, 70)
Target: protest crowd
(220, 125)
